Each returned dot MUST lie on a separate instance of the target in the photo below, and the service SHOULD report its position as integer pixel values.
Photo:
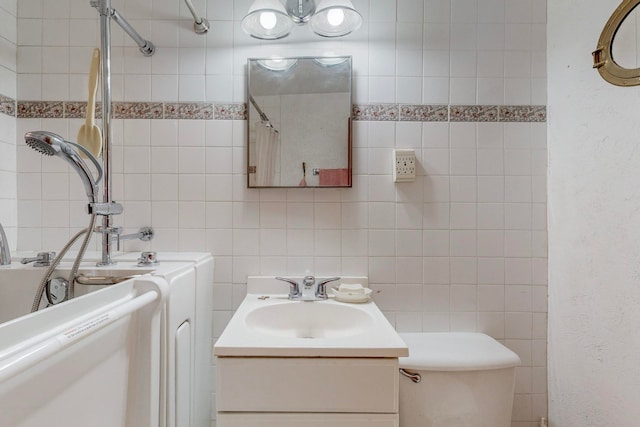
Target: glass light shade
(277, 64)
(330, 61)
(335, 18)
(267, 20)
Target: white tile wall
(8, 185)
(462, 248)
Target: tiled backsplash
(463, 82)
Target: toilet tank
(467, 380)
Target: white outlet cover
(404, 165)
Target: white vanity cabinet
(283, 363)
(307, 391)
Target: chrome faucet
(5, 253)
(43, 259)
(309, 289)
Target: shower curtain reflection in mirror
(267, 144)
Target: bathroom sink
(309, 320)
(268, 324)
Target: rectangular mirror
(299, 122)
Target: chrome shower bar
(104, 8)
(200, 24)
(108, 230)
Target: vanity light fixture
(272, 20)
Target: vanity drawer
(338, 385)
(307, 420)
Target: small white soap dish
(351, 293)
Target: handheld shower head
(50, 144)
(44, 142)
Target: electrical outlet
(404, 165)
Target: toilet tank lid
(455, 351)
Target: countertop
(240, 340)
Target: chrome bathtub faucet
(43, 259)
(309, 289)
(5, 253)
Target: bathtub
(143, 368)
(18, 285)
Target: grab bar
(31, 351)
(81, 279)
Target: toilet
(456, 379)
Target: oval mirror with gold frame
(603, 58)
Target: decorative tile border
(7, 106)
(188, 111)
(450, 113)
(376, 112)
(137, 110)
(41, 109)
(76, 110)
(523, 113)
(230, 112)
(473, 113)
(424, 113)
(238, 111)
(476, 113)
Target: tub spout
(145, 234)
(5, 253)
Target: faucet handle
(43, 259)
(294, 289)
(321, 291)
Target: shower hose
(69, 293)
